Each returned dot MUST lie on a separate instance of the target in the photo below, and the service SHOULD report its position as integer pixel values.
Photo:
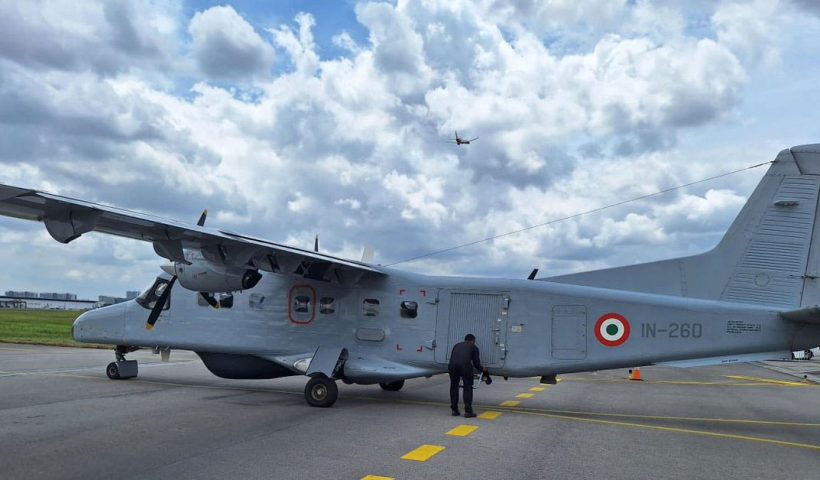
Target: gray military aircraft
(256, 309)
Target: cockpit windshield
(149, 297)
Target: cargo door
(484, 314)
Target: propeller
(210, 299)
(316, 243)
(166, 294)
(161, 301)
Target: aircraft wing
(67, 219)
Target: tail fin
(767, 256)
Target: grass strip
(40, 327)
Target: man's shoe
(455, 413)
(469, 415)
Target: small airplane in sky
(460, 141)
(288, 311)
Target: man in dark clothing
(462, 360)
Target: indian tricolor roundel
(612, 329)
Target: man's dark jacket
(462, 356)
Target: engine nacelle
(204, 276)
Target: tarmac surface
(60, 417)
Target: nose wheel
(122, 368)
(113, 371)
(321, 391)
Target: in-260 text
(672, 330)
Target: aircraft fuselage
(524, 328)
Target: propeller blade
(533, 274)
(316, 243)
(202, 218)
(210, 299)
(161, 301)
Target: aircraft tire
(392, 386)
(113, 371)
(321, 392)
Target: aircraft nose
(101, 325)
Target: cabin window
(327, 305)
(370, 307)
(302, 304)
(409, 309)
(149, 297)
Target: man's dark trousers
(466, 376)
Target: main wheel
(321, 392)
(392, 386)
(113, 371)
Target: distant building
(36, 303)
(58, 301)
(109, 300)
(14, 293)
(59, 296)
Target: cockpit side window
(149, 297)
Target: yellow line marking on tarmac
(376, 477)
(515, 409)
(667, 418)
(676, 430)
(462, 431)
(759, 383)
(767, 380)
(537, 389)
(525, 395)
(489, 415)
(423, 453)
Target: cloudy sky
(287, 119)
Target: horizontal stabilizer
(803, 315)
(727, 359)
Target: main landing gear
(122, 368)
(321, 391)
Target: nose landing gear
(122, 368)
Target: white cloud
(106, 37)
(227, 47)
(573, 112)
(751, 29)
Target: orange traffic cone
(635, 374)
